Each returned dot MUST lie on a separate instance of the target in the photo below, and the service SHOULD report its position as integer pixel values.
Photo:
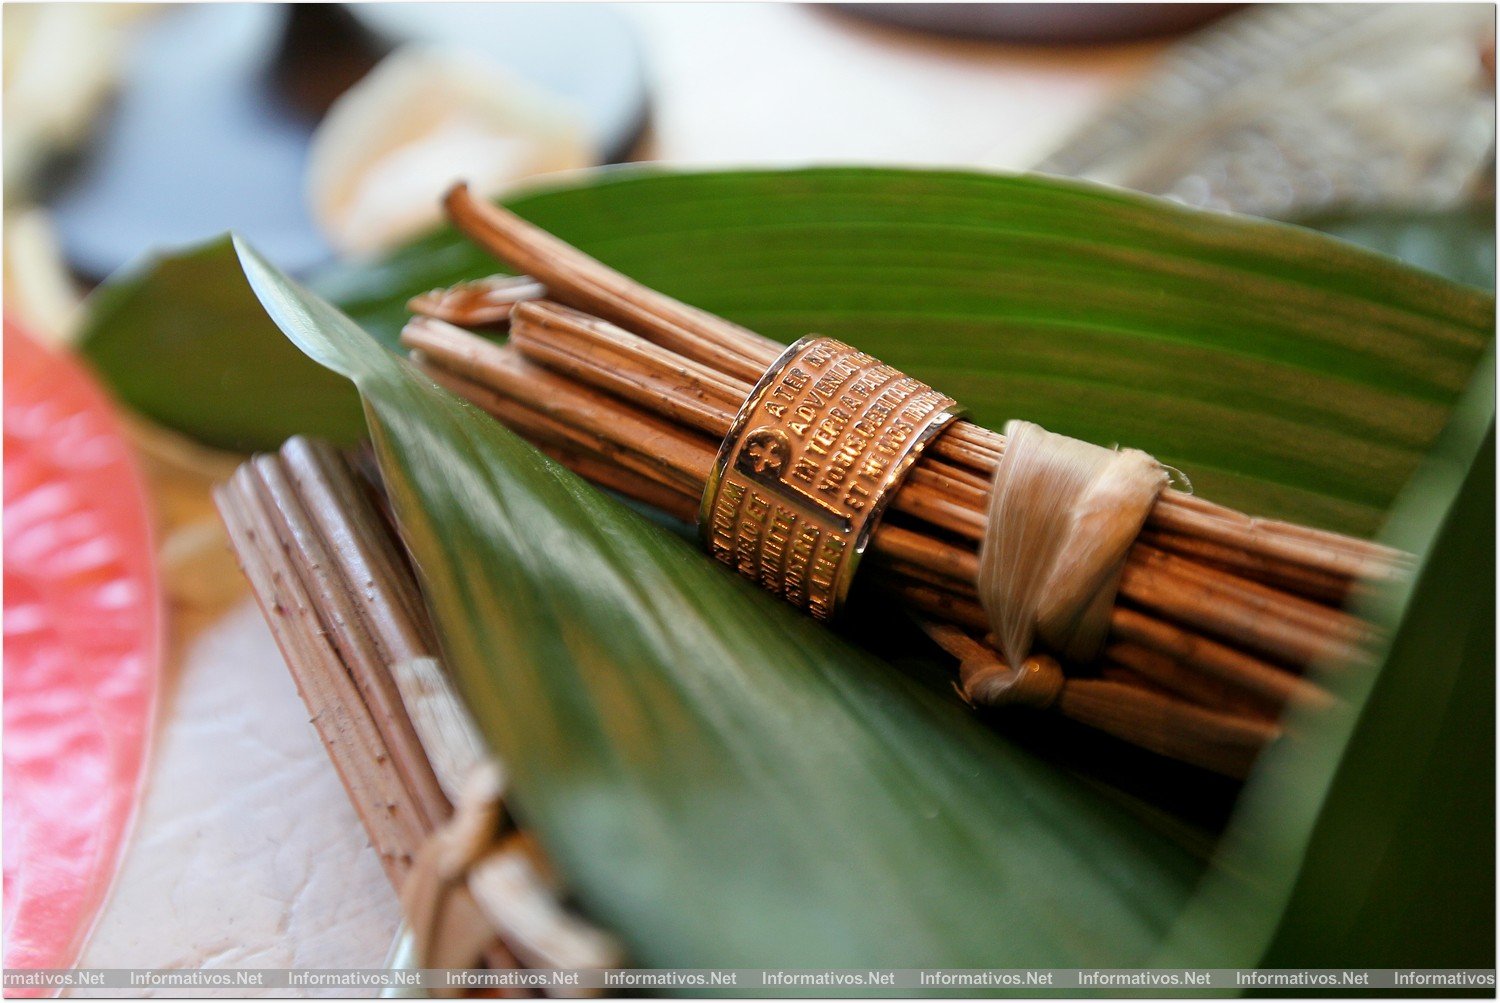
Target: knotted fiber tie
(442, 936)
(1063, 515)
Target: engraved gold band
(815, 454)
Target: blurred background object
(60, 64)
(386, 151)
(222, 112)
(1291, 110)
(40, 294)
(83, 646)
(1045, 23)
(758, 83)
(216, 103)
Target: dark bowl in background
(1044, 22)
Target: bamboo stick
(892, 544)
(1139, 711)
(1224, 743)
(345, 609)
(390, 813)
(604, 356)
(359, 618)
(645, 440)
(1177, 678)
(483, 303)
(616, 361)
(1251, 615)
(1326, 588)
(575, 279)
(1234, 667)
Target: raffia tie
(444, 936)
(1063, 514)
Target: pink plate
(83, 629)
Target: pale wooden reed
(346, 612)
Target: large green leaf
(1458, 243)
(182, 339)
(1367, 838)
(1400, 868)
(725, 782)
(1288, 373)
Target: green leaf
(183, 340)
(1458, 243)
(1367, 839)
(1400, 869)
(723, 781)
(1289, 374)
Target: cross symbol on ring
(765, 455)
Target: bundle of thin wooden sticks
(327, 569)
(1218, 614)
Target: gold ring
(815, 454)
